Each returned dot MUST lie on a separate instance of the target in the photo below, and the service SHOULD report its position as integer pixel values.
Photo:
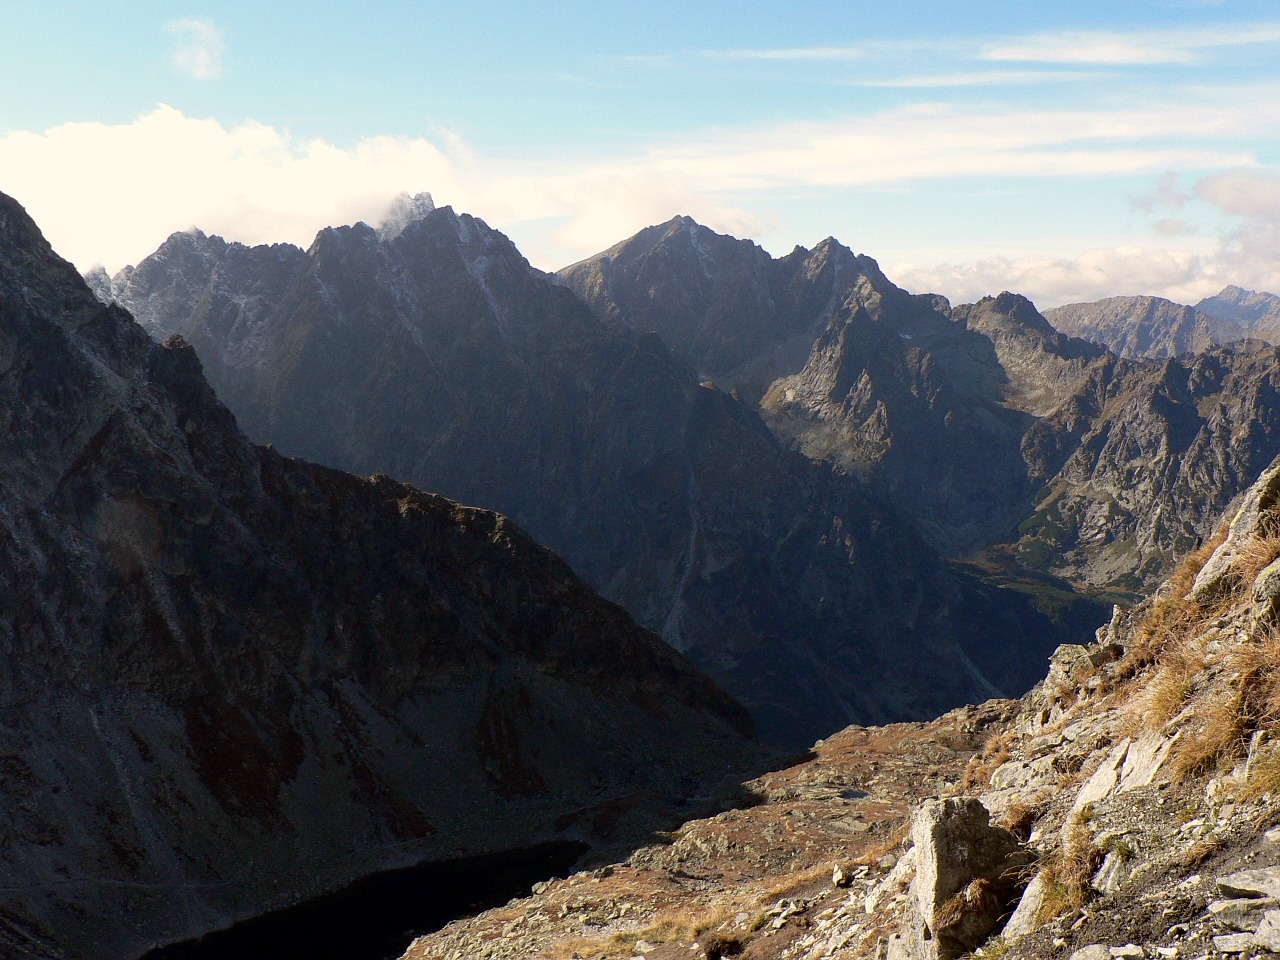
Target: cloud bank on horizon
(1099, 182)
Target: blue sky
(1068, 151)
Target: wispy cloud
(1083, 47)
(982, 78)
(255, 183)
(1244, 255)
(1129, 48)
(199, 48)
(1167, 195)
(789, 53)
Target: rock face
(1001, 438)
(231, 680)
(1136, 327)
(732, 312)
(920, 405)
(1140, 461)
(967, 875)
(1102, 469)
(439, 356)
(1256, 314)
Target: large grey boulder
(968, 875)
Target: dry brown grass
(681, 923)
(1199, 852)
(1022, 813)
(794, 882)
(977, 772)
(1169, 688)
(1264, 777)
(1255, 555)
(978, 896)
(1068, 876)
(1169, 680)
(1214, 735)
(1172, 616)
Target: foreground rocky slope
(1126, 807)
(435, 353)
(232, 680)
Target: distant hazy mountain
(439, 356)
(1114, 468)
(1256, 314)
(1134, 327)
(231, 680)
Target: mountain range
(1136, 327)
(436, 354)
(235, 680)
(1007, 443)
(232, 680)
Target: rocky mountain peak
(1134, 327)
(1257, 314)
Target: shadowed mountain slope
(439, 356)
(232, 680)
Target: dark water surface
(376, 918)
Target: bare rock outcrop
(968, 874)
(1145, 327)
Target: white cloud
(1245, 255)
(200, 48)
(112, 193)
(1181, 275)
(981, 78)
(1134, 48)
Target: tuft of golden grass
(978, 896)
(978, 771)
(1199, 852)
(1264, 777)
(1215, 734)
(1068, 877)
(1254, 556)
(1022, 813)
(1169, 689)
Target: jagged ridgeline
(435, 353)
(1005, 441)
(1154, 327)
(231, 680)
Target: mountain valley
(847, 503)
